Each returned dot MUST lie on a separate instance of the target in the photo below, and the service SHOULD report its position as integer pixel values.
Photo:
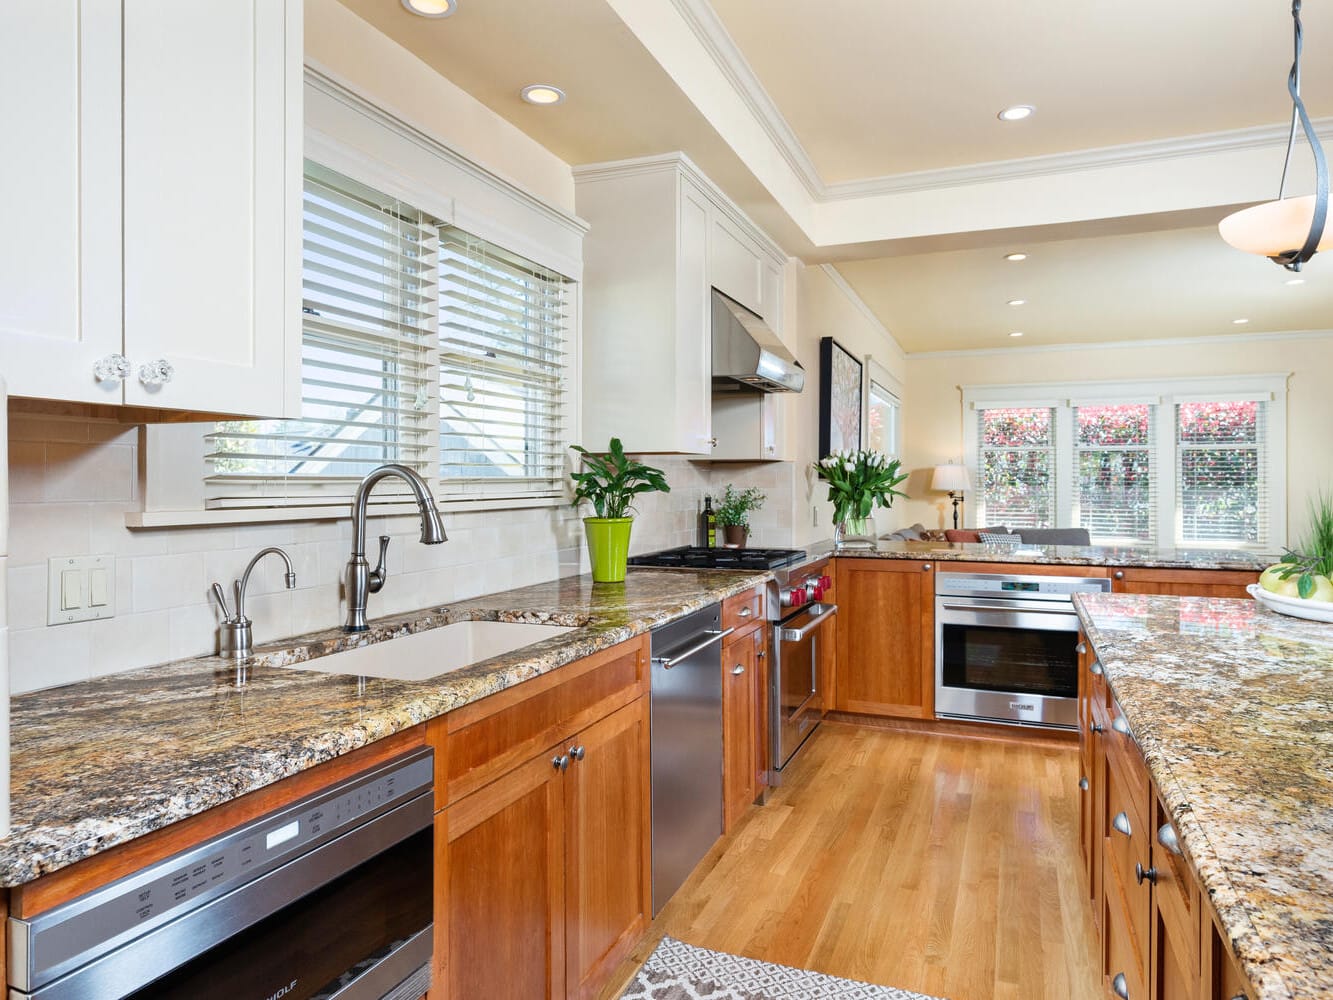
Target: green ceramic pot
(608, 547)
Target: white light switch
(80, 588)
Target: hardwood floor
(933, 863)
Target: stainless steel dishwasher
(686, 740)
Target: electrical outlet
(80, 588)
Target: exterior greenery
(613, 479)
(733, 510)
(859, 481)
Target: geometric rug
(678, 971)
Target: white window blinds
(367, 373)
(1116, 472)
(503, 345)
(1017, 459)
(1220, 472)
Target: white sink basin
(436, 651)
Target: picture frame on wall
(840, 391)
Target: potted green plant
(733, 513)
(609, 482)
(858, 481)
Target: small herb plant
(859, 481)
(733, 510)
(611, 480)
(1316, 556)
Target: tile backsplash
(72, 479)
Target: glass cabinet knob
(157, 372)
(112, 368)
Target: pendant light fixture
(1288, 231)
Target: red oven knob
(826, 583)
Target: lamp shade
(1273, 228)
(951, 479)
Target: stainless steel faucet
(235, 635)
(359, 579)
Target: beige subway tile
(49, 656)
(130, 642)
(98, 473)
(26, 586)
(27, 471)
(162, 582)
(38, 531)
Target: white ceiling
(856, 93)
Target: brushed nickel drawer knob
(577, 752)
(1120, 725)
(1083, 784)
(1095, 668)
(1121, 824)
(925, 567)
(745, 613)
(1120, 987)
(1119, 574)
(1141, 873)
(1097, 727)
(1081, 648)
(1166, 836)
(560, 763)
(737, 670)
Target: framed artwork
(840, 377)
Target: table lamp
(954, 480)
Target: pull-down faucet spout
(359, 579)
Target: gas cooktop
(693, 557)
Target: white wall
(934, 412)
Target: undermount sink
(423, 655)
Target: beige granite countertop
(1232, 705)
(98, 763)
(1065, 555)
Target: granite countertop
(1232, 705)
(98, 763)
(1065, 555)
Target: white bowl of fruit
(1294, 587)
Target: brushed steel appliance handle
(798, 634)
(714, 635)
(1002, 607)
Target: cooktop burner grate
(692, 557)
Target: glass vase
(854, 533)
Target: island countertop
(1062, 555)
(98, 763)
(1232, 706)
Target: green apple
(1273, 583)
(1323, 589)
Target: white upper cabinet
(161, 161)
(661, 237)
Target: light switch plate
(80, 588)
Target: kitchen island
(102, 762)
(1232, 708)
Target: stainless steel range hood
(746, 353)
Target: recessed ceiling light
(1018, 302)
(1240, 322)
(1015, 256)
(1016, 333)
(1294, 281)
(542, 93)
(1016, 114)
(431, 8)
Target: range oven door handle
(983, 609)
(714, 635)
(797, 634)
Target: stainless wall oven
(804, 623)
(1005, 647)
(326, 899)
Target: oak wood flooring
(934, 863)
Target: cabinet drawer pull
(1095, 667)
(925, 567)
(745, 612)
(158, 372)
(1097, 727)
(1120, 725)
(1120, 987)
(1119, 574)
(1121, 824)
(112, 368)
(737, 670)
(1141, 873)
(1083, 784)
(560, 763)
(1166, 836)
(576, 752)
(1081, 648)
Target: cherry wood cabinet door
(759, 640)
(885, 638)
(738, 725)
(607, 840)
(1182, 582)
(500, 888)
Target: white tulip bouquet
(859, 481)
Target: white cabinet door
(735, 267)
(212, 151)
(60, 284)
(694, 319)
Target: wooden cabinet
(160, 216)
(543, 834)
(1182, 582)
(885, 637)
(1174, 930)
(739, 669)
(661, 237)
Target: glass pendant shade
(1275, 228)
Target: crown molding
(1221, 338)
(859, 304)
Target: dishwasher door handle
(714, 635)
(797, 634)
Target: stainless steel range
(802, 628)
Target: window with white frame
(421, 345)
(884, 408)
(1183, 462)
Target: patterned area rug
(678, 971)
